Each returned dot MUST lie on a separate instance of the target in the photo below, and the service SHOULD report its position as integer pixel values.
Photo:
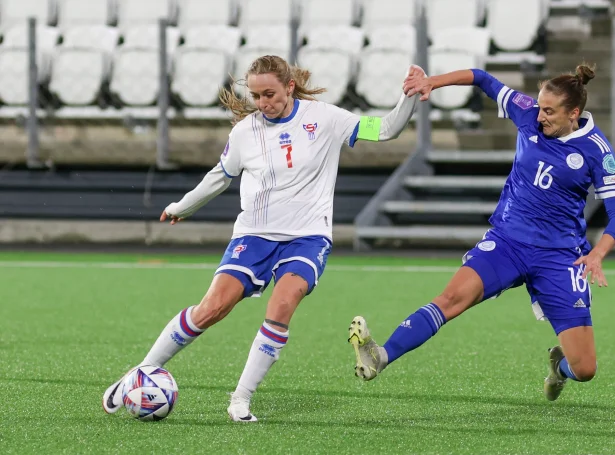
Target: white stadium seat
(265, 12)
(197, 13)
(17, 37)
(316, 13)
(443, 62)
(214, 37)
(474, 40)
(342, 37)
(78, 74)
(198, 75)
(99, 37)
(443, 14)
(148, 37)
(330, 68)
(387, 13)
(90, 12)
(402, 37)
(136, 76)
(381, 73)
(17, 12)
(272, 36)
(14, 74)
(514, 25)
(132, 13)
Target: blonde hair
(241, 107)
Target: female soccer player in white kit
(286, 146)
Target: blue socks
(414, 331)
(565, 370)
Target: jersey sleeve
(517, 106)
(230, 160)
(345, 124)
(602, 166)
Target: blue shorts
(255, 260)
(557, 291)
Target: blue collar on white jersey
(589, 125)
(284, 119)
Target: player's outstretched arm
(593, 261)
(214, 183)
(391, 125)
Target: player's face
(556, 119)
(270, 96)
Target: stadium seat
(443, 14)
(14, 70)
(197, 13)
(17, 37)
(526, 15)
(387, 13)
(401, 37)
(73, 13)
(198, 75)
(136, 76)
(270, 36)
(17, 12)
(345, 38)
(216, 37)
(381, 73)
(265, 13)
(148, 37)
(445, 61)
(330, 68)
(82, 64)
(133, 13)
(474, 40)
(315, 13)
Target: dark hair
(571, 86)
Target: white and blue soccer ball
(149, 393)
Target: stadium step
(439, 207)
(464, 234)
(454, 182)
(471, 156)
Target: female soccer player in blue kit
(538, 235)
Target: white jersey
(289, 168)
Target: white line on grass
(212, 266)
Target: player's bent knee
(585, 371)
(452, 303)
(212, 309)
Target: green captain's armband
(369, 128)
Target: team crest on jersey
(523, 101)
(238, 250)
(608, 163)
(574, 161)
(486, 245)
(311, 130)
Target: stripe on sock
(273, 336)
(432, 316)
(438, 312)
(183, 323)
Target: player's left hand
(593, 266)
(416, 77)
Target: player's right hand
(418, 83)
(174, 219)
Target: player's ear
(575, 113)
(291, 87)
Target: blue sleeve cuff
(353, 138)
(609, 205)
(479, 76)
(226, 173)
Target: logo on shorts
(487, 245)
(579, 304)
(321, 255)
(523, 101)
(574, 161)
(237, 251)
(311, 130)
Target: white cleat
(239, 410)
(371, 358)
(112, 398)
(555, 382)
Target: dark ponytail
(572, 86)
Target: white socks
(178, 333)
(264, 352)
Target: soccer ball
(149, 393)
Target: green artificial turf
(71, 324)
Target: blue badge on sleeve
(608, 163)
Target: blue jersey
(544, 196)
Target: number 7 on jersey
(289, 158)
